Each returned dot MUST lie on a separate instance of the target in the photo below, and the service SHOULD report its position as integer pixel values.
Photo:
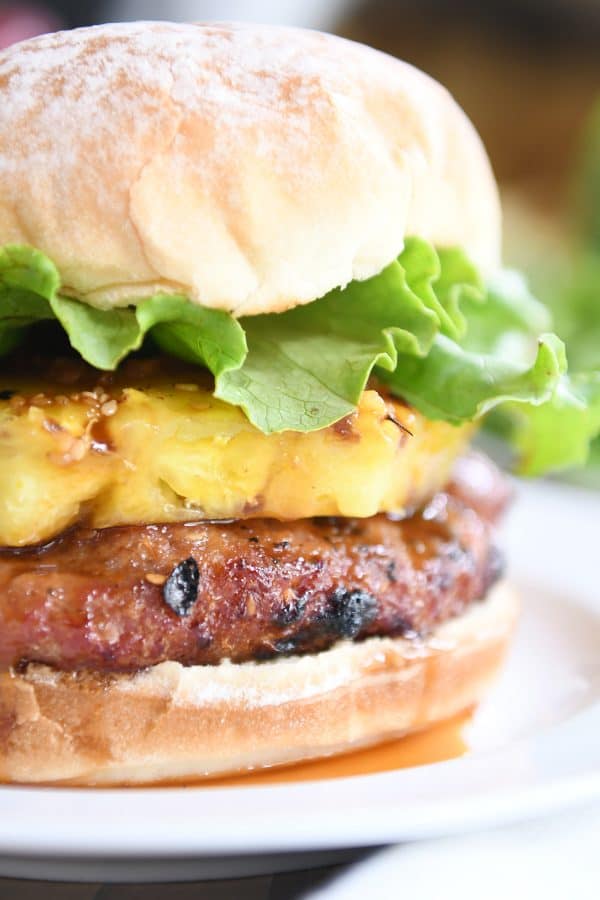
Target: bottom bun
(172, 722)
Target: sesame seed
(52, 426)
(109, 408)
(77, 450)
(41, 400)
(155, 578)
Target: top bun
(251, 168)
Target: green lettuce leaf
(566, 276)
(427, 325)
(504, 354)
(557, 434)
(458, 385)
(27, 280)
(29, 285)
(29, 270)
(206, 337)
(307, 367)
(102, 337)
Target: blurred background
(527, 72)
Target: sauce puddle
(437, 744)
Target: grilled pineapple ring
(171, 452)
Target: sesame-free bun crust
(171, 722)
(251, 168)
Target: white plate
(535, 748)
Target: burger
(251, 316)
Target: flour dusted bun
(251, 168)
(171, 722)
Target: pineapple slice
(156, 450)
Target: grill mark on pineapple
(101, 441)
(344, 428)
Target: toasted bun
(171, 722)
(251, 168)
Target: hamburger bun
(250, 168)
(170, 722)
